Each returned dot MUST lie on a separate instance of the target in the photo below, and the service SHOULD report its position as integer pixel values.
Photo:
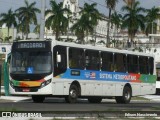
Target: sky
(5, 5)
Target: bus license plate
(26, 90)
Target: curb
(2, 90)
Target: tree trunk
(108, 39)
(8, 32)
(57, 35)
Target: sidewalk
(14, 98)
(153, 97)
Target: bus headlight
(45, 83)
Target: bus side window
(107, 61)
(120, 62)
(92, 60)
(151, 65)
(132, 63)
(76, 58)
(59, 66)
(144, 65)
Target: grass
(140, 98)
(8, 109)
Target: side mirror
(58, 58)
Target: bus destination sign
(31, 45)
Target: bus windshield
(38, 62)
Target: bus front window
(31, 63)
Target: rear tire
(157, 91)
(38, 98)
(73, 94)
(127, 94)
(94, 99)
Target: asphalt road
(57, 106)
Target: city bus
(158, 78)
(59, 69)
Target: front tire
(38, 98)
(127, 94)
(73, 94)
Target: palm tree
(9, 19)
(116, 19)
(20, 28)
(27, 16)
(111, 4)
(152, 15)
(134, 19)
(86, 24)
(79, 29)
(37, 30)
(56, 20)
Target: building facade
(4, 33)
(100, 33)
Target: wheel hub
(127, 95)
(73, 93)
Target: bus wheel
(38, 98)
(94, 99)
(73, 94)
(127, 94)
(157, 91)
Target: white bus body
(75, 70)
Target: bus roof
(101, 48)
(69, 44)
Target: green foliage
(151, 17)
(56, 20)
(9, 19)
(18, 38)
(26, 16)
(86, 24)
(6, 39)
(116, 19)
(134, 19)
(111, 4)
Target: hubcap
(73, 93)
(127, 95)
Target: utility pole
(108, 27)
(42, 25)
